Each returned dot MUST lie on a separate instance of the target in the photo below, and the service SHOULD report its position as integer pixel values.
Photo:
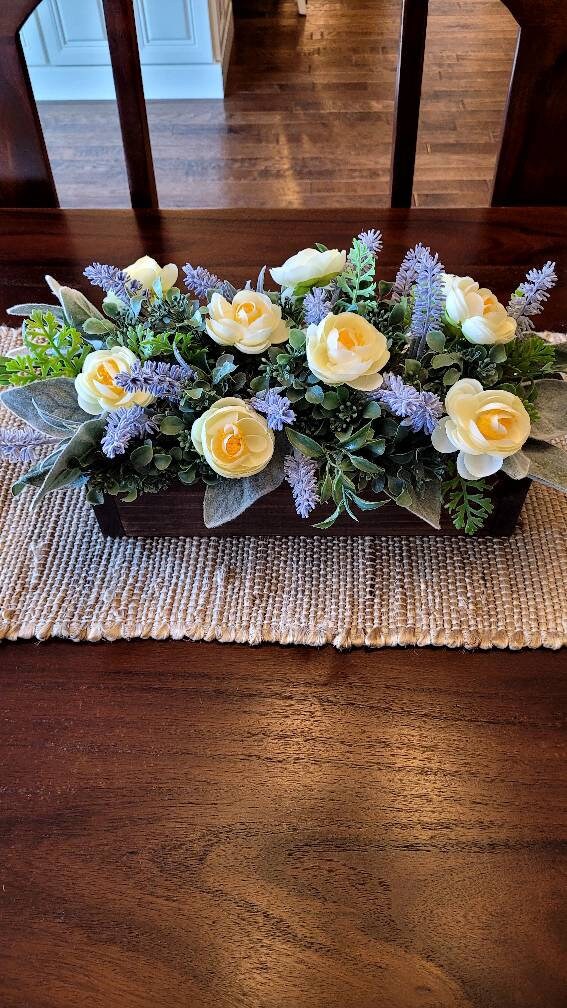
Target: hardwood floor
(307, 117)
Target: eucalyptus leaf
(425, 503)
(26, 310)
(548, 464)
(304, 444)
(552, 409)
(435, 340)
(66, 472)
(98, 327)
(226, 499)
(49, 405)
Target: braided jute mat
(59, 577)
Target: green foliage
(468, 502)
(53, 349)
(358, 282)
(528, 359)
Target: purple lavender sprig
(275, 407)
(372, 240)
(316, 305)
(530, 297)
(406, 276)
(301, 474)
(420, 410)
(429, 300)
(199, 281)
(162, 380)
(123, 426)
(22, 445)
(113, 281)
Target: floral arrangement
(354, 390)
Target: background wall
(184, 49)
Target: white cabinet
(184, 48)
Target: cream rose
(309, 266)
(146, 271)
(483, 319)
(234, 439)
(251, 323)
(485, 427)
(95, 386)
(346, 349)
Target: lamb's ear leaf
(48, 405)
(516, 466)
(26, 310)
(226, 499)
(425, 505)
(76, 306)
(548, 464)
(551, 405)
(66, 471)
(36, 475)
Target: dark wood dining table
(197, 824)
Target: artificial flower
(251, 322)
(97, 391)
(234, 439)
(484, 426)
(146, 271)
(346, 349)
(483, 319)
(309, 267)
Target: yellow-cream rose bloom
(146, 271)
(483, 319)
(251, 322)
(485, 427)
(234, 439)
(346, 350)
(96, 391)
(308, 266)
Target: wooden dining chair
(25, 173)
(531, 162)
(531, 166)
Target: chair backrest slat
(127, 73)
(25, 172)
(408, 98)
(532, 162)
(533, 151)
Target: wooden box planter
(179, 512)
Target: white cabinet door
(183, 44)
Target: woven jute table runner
(59, 577)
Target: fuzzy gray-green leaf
(26, 310)
(551, 405)
(426, 504)
(48, 405)
(548, 464)
(516, 466)
(65, 472)
(226, 499)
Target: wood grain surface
(213, 826)
(495, 245)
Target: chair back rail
(25, 172)
(531, 162)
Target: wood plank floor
(307, 118)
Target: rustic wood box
(179, 512)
